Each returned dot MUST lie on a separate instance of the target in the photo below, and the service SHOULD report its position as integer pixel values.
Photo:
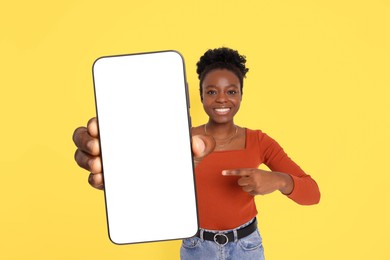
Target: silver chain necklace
(228, 139)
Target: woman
(226, 172)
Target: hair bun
(221, 58)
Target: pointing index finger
(234, 172)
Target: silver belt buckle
(223, 235)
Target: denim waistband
(234, 230)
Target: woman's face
(221, 95)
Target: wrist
(286, 183)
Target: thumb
(202, 145)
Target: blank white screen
(146, 151)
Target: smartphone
(142, 108)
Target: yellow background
(318, 83)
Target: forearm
(305, 191)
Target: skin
(221, 101)
(221, 89)
(87, 154)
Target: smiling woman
(227, 159)
(229, 178)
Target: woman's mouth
(222, 111)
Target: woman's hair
(221, 58)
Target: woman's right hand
(88, 157)
(87, 154)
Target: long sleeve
(306, 190)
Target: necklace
(224, 141)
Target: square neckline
(237, 150)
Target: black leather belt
(224, 238)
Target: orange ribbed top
(222, 204)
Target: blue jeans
(247, 248)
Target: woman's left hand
(261, 182)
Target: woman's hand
(260, 182)
(202, 145)
(87, 154)
(88, 157)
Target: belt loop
(235, 235)
(201, 234)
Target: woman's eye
(211, 92)
(232, 92)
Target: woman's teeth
(222, 110)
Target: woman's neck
(220, 131)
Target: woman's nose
(221, 98)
